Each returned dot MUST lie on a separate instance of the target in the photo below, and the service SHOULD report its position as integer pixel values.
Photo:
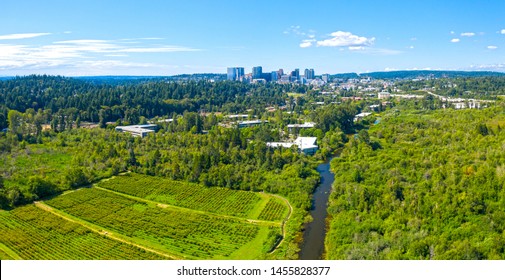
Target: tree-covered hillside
(71, 98)
(422, 185)
(412, 74)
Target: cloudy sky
(108, 37)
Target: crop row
(176, 231)
(273, 211)
(4, 255)
(36, 234)
(183, 194)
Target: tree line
(73, 98)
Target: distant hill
(114, 80)
(344, 76)
(430, 74)
(202, 76)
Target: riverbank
(314, 234)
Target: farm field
(29, 232)
(81, 224)
(193, 196)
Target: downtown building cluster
(258, 76)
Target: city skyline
(168, 38)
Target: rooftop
(304, 125)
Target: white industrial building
(140, 130)
(361, 116)
(250, 123)
(306, 145)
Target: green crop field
(193, 196)
(32, 233)
(274, 210)
(135, 216)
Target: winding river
(315, 231)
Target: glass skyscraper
(235, 73)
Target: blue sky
(106, 37)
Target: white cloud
(413, 39)
(105, 46)
(452, 32)
(502, 31)
(306, 43)
(345, 39)
(455, 40)
(411, 47)
(75, 53)
(467, 34)
(22, 36)
(492, 47)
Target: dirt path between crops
(283, 225)
(162, 205)
(99, 230)
(259, 222)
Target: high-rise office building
(240, 73)
(274, 76)
(235, 73)
(257, 72)
(312, 74)
(295, 75)
(231, 74)
(309, 74)
(325, 77)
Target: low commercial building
(374, 107)
(279, 144)
(361, 116)
(306, 145)
(240, 116)
(293, 128)
(140, 130)
(250, 123)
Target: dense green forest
(421, 185)
(72, 99)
